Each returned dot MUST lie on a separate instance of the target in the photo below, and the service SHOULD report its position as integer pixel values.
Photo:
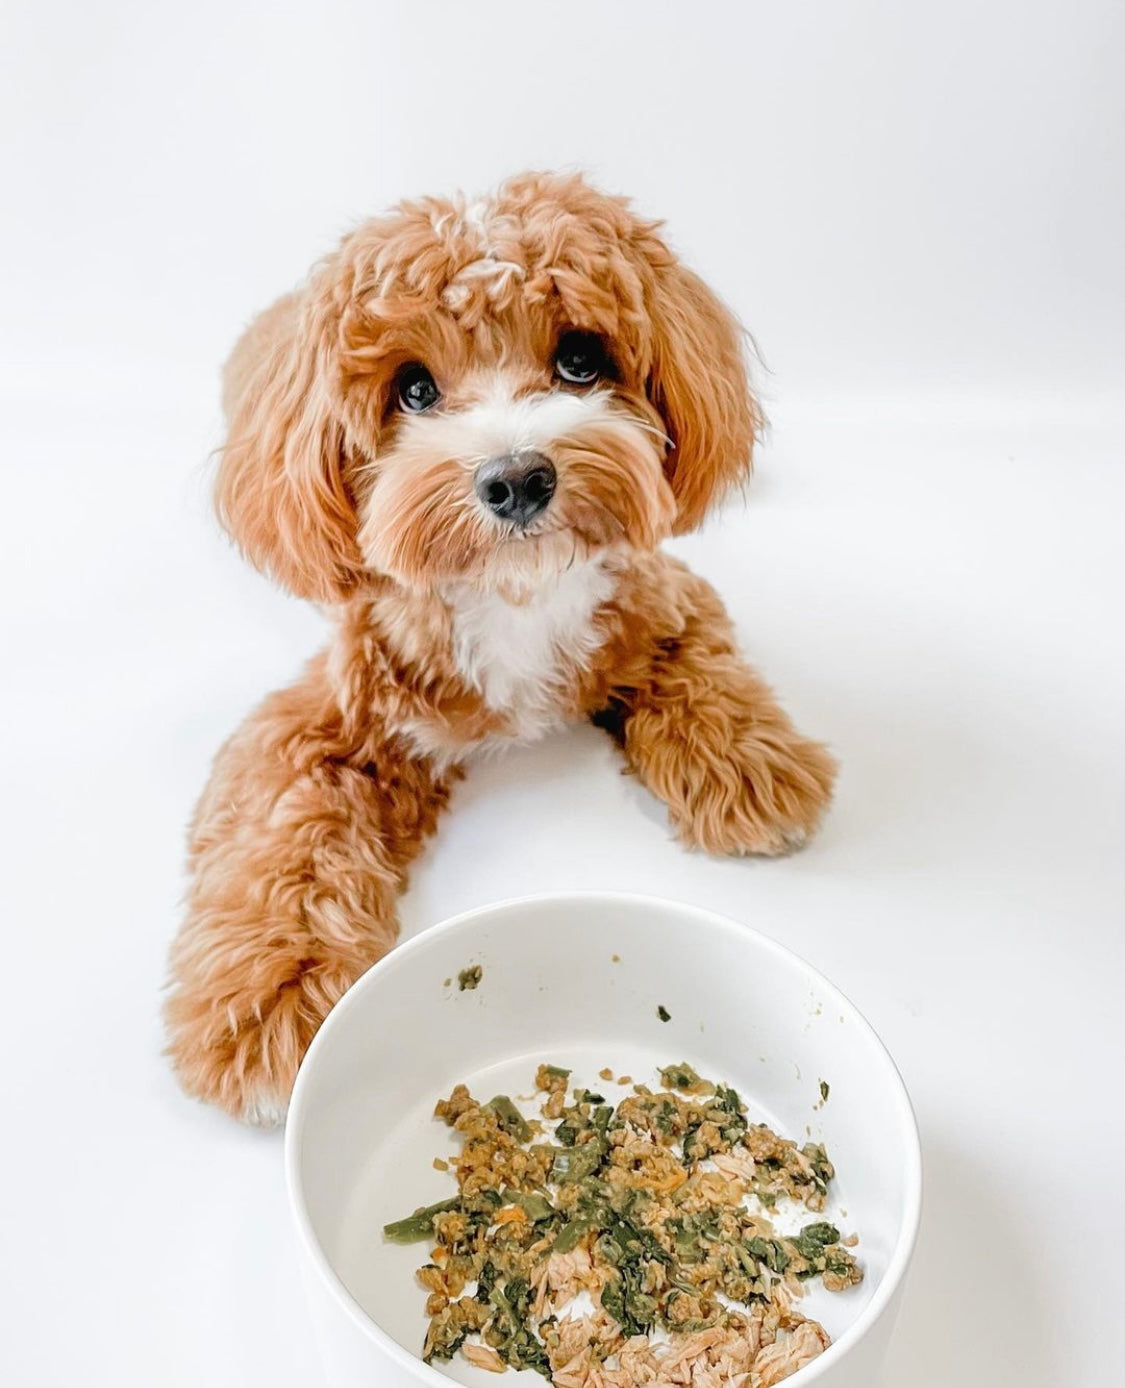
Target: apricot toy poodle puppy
(466, 438)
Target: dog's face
(484, 393)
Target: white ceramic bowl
(577, 980)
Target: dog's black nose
(517, 487)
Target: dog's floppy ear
(280, 490)
(698, 382)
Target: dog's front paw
(240, 1047)
(242, 1065)
(766, 795)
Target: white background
(919, 210)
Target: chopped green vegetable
(536, 1207)
(818, 1160)
(769, 1251)
(419, 1225)
(486, 1279)
(823, 1091)
(511, 1119)
(576, 1163)
(572, 1234)
(663, 1013)
(814, 1238)
(470, 977)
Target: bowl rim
(295, 1123)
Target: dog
(466, 438)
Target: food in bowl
(615, 1244)
(576, 980)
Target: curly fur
(316, 807)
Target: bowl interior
(578, 981)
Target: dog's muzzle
(516, 487)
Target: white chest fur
(519, 654)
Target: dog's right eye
(417, 390)
(580, 359)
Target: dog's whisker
(648, 428)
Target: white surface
(919, 210)
(895, 196)
(575, 981)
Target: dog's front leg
(299, 851)
(699, 728)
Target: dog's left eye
(580, 359)
(417, 389)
